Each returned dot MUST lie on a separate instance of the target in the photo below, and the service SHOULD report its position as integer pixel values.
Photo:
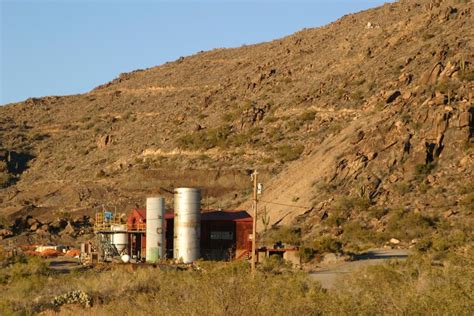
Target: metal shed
(225, 235)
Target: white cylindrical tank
(120, 238)
(187, 224)
(155, 222)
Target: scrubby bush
(402, 188)
(327, 245)
(468, 201)
(377, 212)
(306, 254)
(275, 264)
(444, 241)
(282, 234)
(351, 203)
(21, 267)
(415, 286)
(5, 180)
(307, 116)
(407, 225)
(423, 170)
(467, 75)
(336, 218)
(357, 236)
(288, 152)
(205, 139)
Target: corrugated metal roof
(218, 215)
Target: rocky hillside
(367, 121)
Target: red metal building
(224, 234)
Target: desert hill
(363, 125)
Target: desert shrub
(251, 136)
(3, 166)
(283, 234)
(85, 118)
(415, 286)
(276, 135)
(270, 119)
(327, 245)
(288, 152)
(358, 236)
(293, 126)
(307, 116)
(358, 95)
(424, 244)
(336, 218)
(275, 264)
(21, 267)
(4, 222)
(423, 187)
(39, 137)
(427, 36)
(205, 139)
(377, 212)
(423, 170)
(88, 125)
(447, 87)
(231, 116)
(306, 254)
(351, 203)
(402, 188)
(466, 187)
(5, 179)
(467, 75)
(407, 225)
(468, 201)
(324, 187)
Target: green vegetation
(5, 179)
(283, 234)
(3, 222)
(467, 75)
(327, 244)
(468, 201)
(422, 170)
(402, 188)
(289, 152)
(416, 286)
(358, 236)
(407, 225)
(307, 116)
(222, 137)
(351, 203)
(206, 139)
(427, 36)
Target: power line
(289, 205)
(309, 207)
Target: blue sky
(64, 47)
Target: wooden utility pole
(254, 227)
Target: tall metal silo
(155, 222)
(187, 224)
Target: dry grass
(416, 286)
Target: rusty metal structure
(186, 234)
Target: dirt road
(329, 277)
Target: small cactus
(73, 297)
(265, 219)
